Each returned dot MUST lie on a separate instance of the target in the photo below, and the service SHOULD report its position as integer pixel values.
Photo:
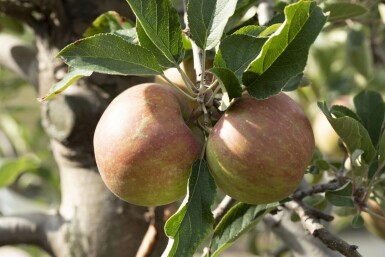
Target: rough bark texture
(90, 220)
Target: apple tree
(177, 165)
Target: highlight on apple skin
(143, 147)
(259, 150)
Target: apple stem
(366, 209)
(212, 97)
(189, 84)
(211, 86)
(179, 89)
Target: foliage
(261, 60)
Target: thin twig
(321, 188)
(222, 208)
(315, 228)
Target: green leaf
(146, 42)
(128, 34)
(270, 30)
(10, 169)
(357, 221)
(341, 11)
(284, 55)
(70, 78)
(193, 222)
(207, 20)
(250, 30)
(237, 221)
(359, 52)
(342, 197)
(381, 149)
(106, 23)
(237, 51)
(228, 79)
(370, 108)
(341, 111)
(160, 22)
(293, 83)
(317, 202)
(352, 132)
(110, 54)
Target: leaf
(110, 54)
(370, 108)
(160, 22)
(352, 132)
(237, 51)
(146, 42)
(316, 201)
(359, 52)
(342, 11)
(342, 197)
(284, 55)
(10, 169)
(193, 222)
(70, 78)
(229, 81)
(107, 22)
(381, 149)
(207, 20)
(237, 221)
(128, 34)
(357, 221)
(250, 30)
(293, 83)
(270, 30)
(341, 111)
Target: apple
(258, 150)
(374, 224)
(143, 147)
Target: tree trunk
(90, 221)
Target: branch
(222, 208)
(321, 188)
(293, 235)
(18, 57)
(315, 228)
(29, 229)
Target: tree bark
(90, 220)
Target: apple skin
(143, 148)
(374, 224)
(258, 151)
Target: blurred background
(347, 57)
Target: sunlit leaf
(108, 22)
(110, 54)
(207, 20)
(284, 55)
(70, 78)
